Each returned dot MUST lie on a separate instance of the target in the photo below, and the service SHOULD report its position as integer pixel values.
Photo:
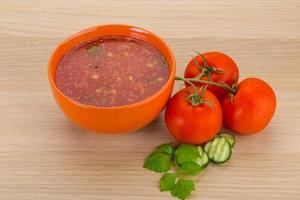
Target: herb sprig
(185, 160)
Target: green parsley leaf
(167, 182)
(186, 153)
(166, 148)
(183, 188)
(190, 168)
(158, 162)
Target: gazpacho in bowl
(112, 78)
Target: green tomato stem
(187, 81)
(218, 84)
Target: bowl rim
(172, 69)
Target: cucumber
(223, 151)
(213, 147)
(230, 138)
(218, 150)
(207, 147)
(203, 160)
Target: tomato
(251, 108)
(193, 124)
(219, 61)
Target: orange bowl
(113, 119)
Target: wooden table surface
(45, 156)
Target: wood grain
(44, 156)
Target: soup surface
(111, 71)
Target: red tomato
(193, 124)
(251, 108)
(219, 61)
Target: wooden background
(44, 156)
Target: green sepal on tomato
(220, 67)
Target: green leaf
(166, 148)
(167, 182)
(183, 188)
(158, 162)
(186, 153)
(190, 168)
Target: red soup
(111, 71)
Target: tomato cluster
(213, 96)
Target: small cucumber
(230, 138)
(203, 160)
(218, 150)
(207, 147)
